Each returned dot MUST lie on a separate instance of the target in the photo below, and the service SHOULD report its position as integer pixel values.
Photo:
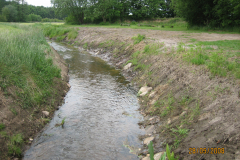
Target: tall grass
(23, 64)
(59, 32)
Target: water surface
(100, 110)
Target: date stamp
(206, 151)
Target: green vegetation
(14, 145)
(20, 11)
(222, 61)
(24, 65)
(220, 14)
(2, 126)
(167, 154)
(59, 32)
(138, 39)
(62, 123)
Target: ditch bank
(22, 125)
(184, 105)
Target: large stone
(144, 90)
(148, 140)
(146, 158)
(127, 66)
(45, 113)
(157, 156)
(150, 130)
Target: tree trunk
(104, 19)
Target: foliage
(33, 17)
(3, 18)
(21, 11)
(14, 146)
(212, 13)
(23, 64)
(138, 39)
(2, 126)
(73, 8)
(169, 154)
(150, 150)
(10, 12)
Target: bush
(34, 18)
(3, 18)
(104, 23)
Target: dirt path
(208, 107)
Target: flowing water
(100, 110)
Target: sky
(45, 3)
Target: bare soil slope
(205, 105)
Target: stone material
(157, 156)
(45, 113)
(127, 66)
(146, 158)
(150, 130)
(144, 90)
(148, 140)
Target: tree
(73, 8)
(2, 4)
(213, 13)
(10, 13)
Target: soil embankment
(28, 122)
(187, 107)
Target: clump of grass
(62, 123)
(2, 126)
(138, 38)
(14, 146)
(72, 34)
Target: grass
(2, 126)
(62, 123)
(23, 64)
(14, 145)
(138, 38)
(59, 32)
(167, 154)
(223, 61)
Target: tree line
(211, 13)
(20, 11)
(95, 11)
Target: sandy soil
(216, 124)
(29, 121)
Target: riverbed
(100, 114)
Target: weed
(182, 132)
(14, 111)
(150, 150)
(185, 100)
(2, 126)
(85, 46)
(72, 34)
(195, 111)
(14, 146)
(138, 39)
(62, 123)
(4, 134)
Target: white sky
(45, 3)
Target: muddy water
(100, 111)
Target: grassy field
(28, 77)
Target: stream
(100, 111)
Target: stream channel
(100, 110)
